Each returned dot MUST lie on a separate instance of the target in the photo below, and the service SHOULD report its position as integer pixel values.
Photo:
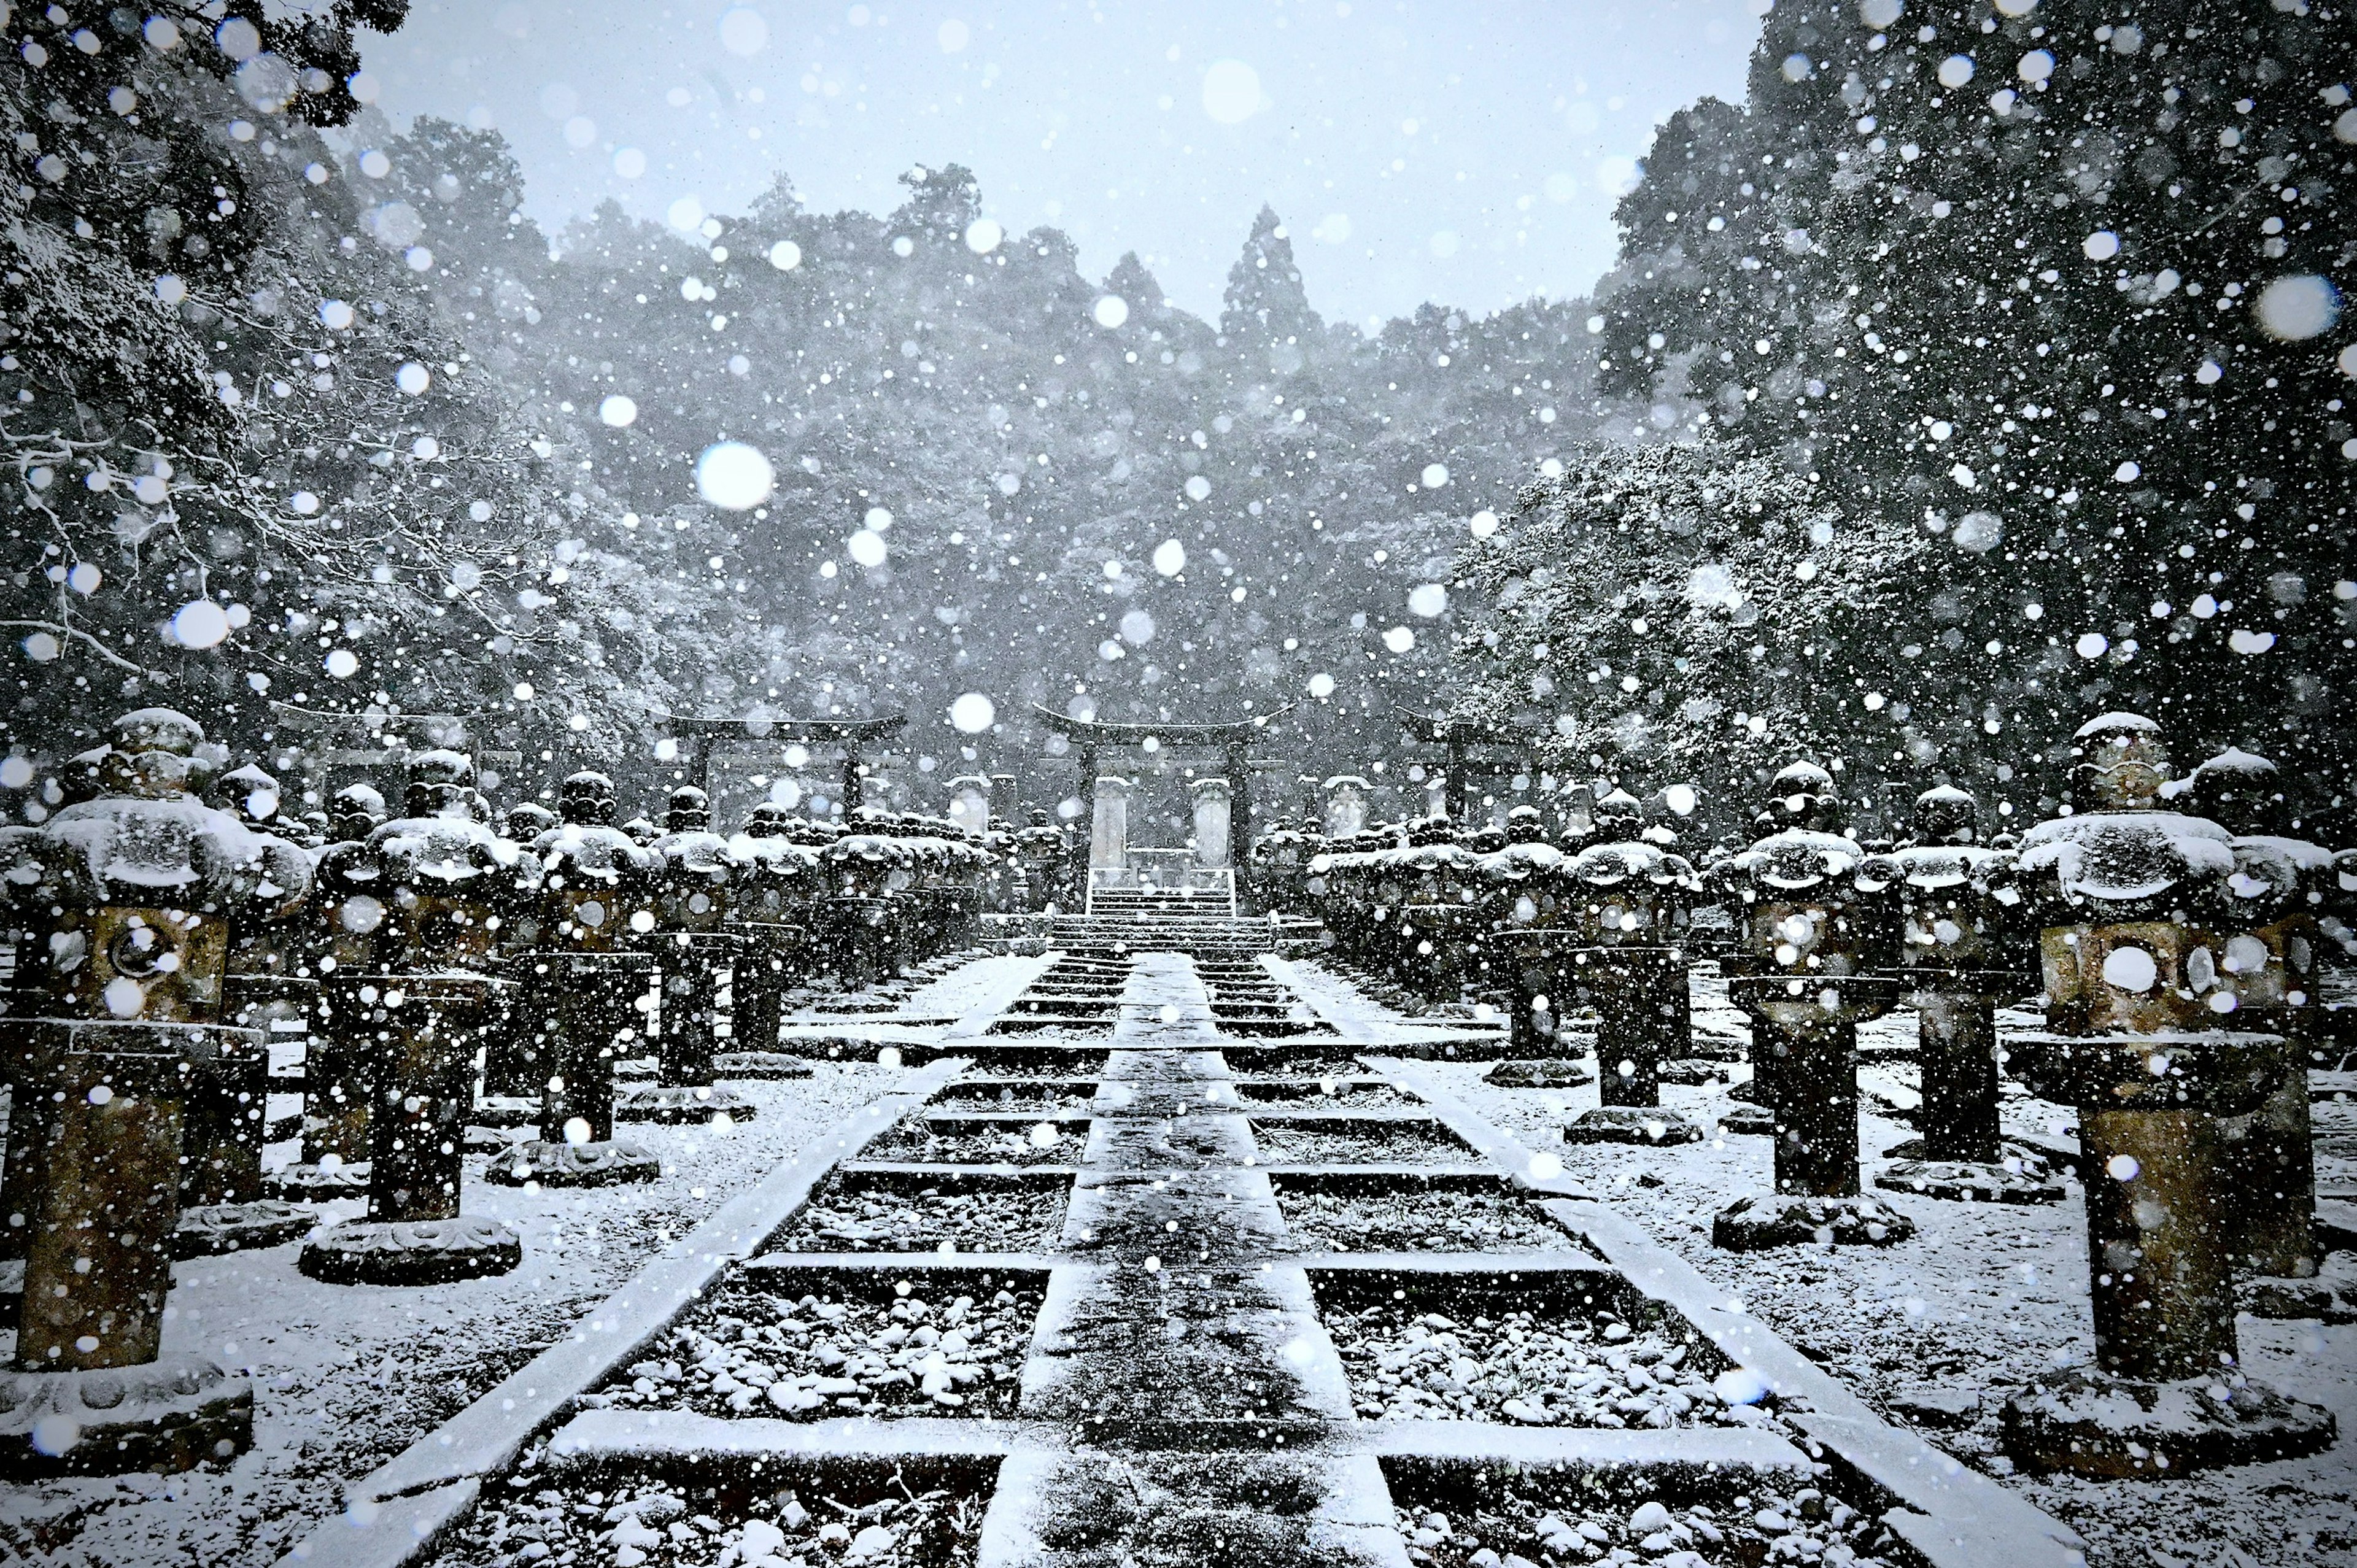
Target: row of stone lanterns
(2177, 954)
(167, 934)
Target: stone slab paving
(1181, 1400)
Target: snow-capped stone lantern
(1043, 851)
(1281, 860)
(591, 990)
(1962, 949)
(1528, 902)
(133, 898)
(2276, 900)
(693, 944)
(858, 922)
(1626, 900)
(450, 888)
(346, 910)
(1815, 937)
(2141, 1040)
(781, 880)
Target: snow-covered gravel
(1018, 1143)
(744, 1352)
(1520, 1526)
(664, 1526)
(345, 1377)
(1361, 1144)
(1528, 1369)
(1419, 1222)
(986, 1220)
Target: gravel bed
(662, 1526)
(1521, 1369)
(747, 1352)
(1036, 1144)
(1370, 1143)
(873, 1221)
(1419, 1222)
(1043, 1098)
(1520, 1527)
(1316, 1095)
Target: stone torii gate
(1460, 736)
(1232, 740)
(853, 736)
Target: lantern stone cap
(1610, 865)
(593, 851)
(147, 840)
(1795, 859)
(1339, 779)
(2121, 723)
(2128, 857)
(1213, 785)
(1940, 866)
(446, 848)
(1517, 861)
(698, 850)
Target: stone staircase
(1155, 903)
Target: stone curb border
(1952, 1515)
(397, 1512)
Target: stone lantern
(591, 986)
(693, 944)
(1815, 939)
(450, 888)
(2128, 899)
(1046, 859)
(136, 897)
(1962, 917)
(340, 934)
(780, 880)
(1626, 901)
(2273, 937)
(1281, 860)
(857, 929)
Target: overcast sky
(1463, 153)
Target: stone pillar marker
(1212, 849)
(969, 805)
(450, 885)
(1346, 805)
(2124, 893)
(693, 945)
(1815, 932)
(1627, 907)
(596, 902)
(1109, 827)
(117, 1026)
(1960, 911)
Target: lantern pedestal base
(1541, 1072)
(217, 1227)
(758, 1065)
(1649, 1125)
(166, 1416)
(505, 1110)
(1744, 1119)
(410, 1253)
(1971, 1181)
(319, 1184)
(691, 1105)
(2091, 1423)
(1787, 1219)
(2289, 1300)
(572, 1165)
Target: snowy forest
(816, 877)
(2008, 371)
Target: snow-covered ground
(346, 1377)
(1943, 1328)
